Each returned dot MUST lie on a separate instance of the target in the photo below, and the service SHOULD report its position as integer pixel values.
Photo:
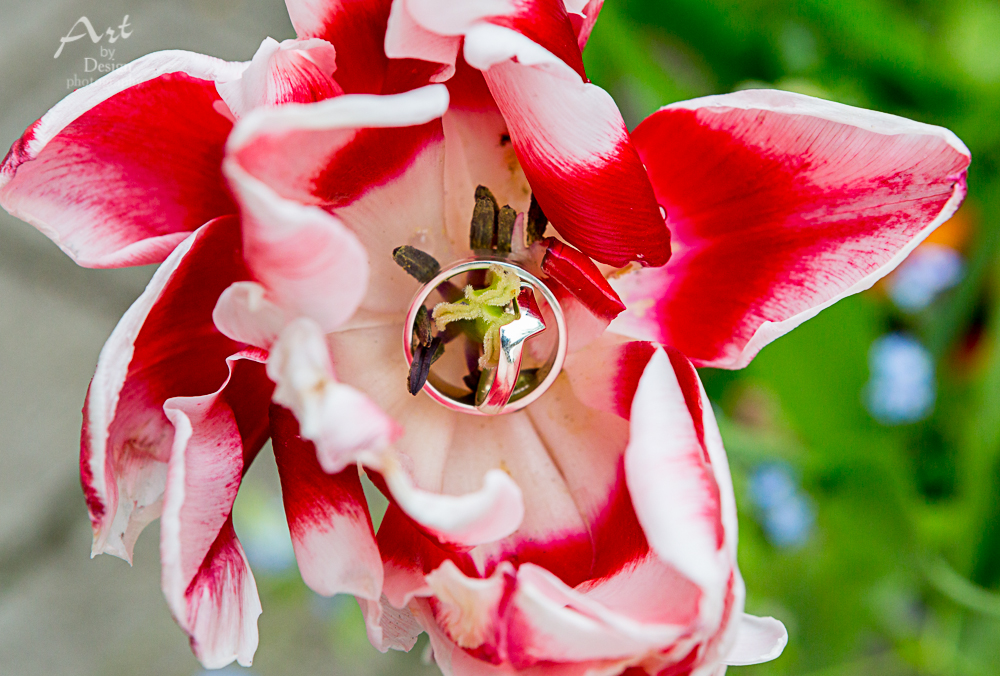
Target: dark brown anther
(484, 220)
(421, 266)
(484, 193)
(422, 326)
(536, 222)
(420, 367)
(505, 229)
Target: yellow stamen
(487, 307)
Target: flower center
(494, 341)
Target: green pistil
(488, 308)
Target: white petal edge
(415, 107)
(680, 536)
(244, 314)
(106, 387)
(487, 45)
(767, 332)
(405, 38)
(343, 423)
(790, 103)
(240, 639)
(758, 639)
(487, 515)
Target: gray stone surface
(60, 612)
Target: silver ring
(503, 378)
(509, 366)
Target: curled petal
(390, 628)
(327, 517)
(165, 345)
(782, 205)
(357, 29)
(553, 622)
(121, 171)
(374, 162)
(528, 617)
(489, 514)
(342, 422)
(293, 71)
(544, 22)
(405, 38)
(758, 639)
(676, 492)
(244, 314)
(311, 264)
(206, 578)
(689, 533)
(469, 609)
(589, 14)
(579, 275)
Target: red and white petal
(311, 264)
(545, 22)
(584, 20)
(390, 628)
(374, 162)
(553, 622)
(357, 29)
(293, 71)
(469, 609)
(205, 575)
(648, 591)
(343, 423)
(320, 144)
(674, 488)
(606, 375)
(531, 618)
(120, 171)
(601, 534)
(576, 273)
(245, 314)
(489, 514)
(165, 345)
(327, 517)
(454, 661)
(405, 38)
(758, 639)
(574, 148)
(780, 205)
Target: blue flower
(902, 385)
(783, 511)
(928, 271)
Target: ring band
(510, 361)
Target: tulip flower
(590, 528)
